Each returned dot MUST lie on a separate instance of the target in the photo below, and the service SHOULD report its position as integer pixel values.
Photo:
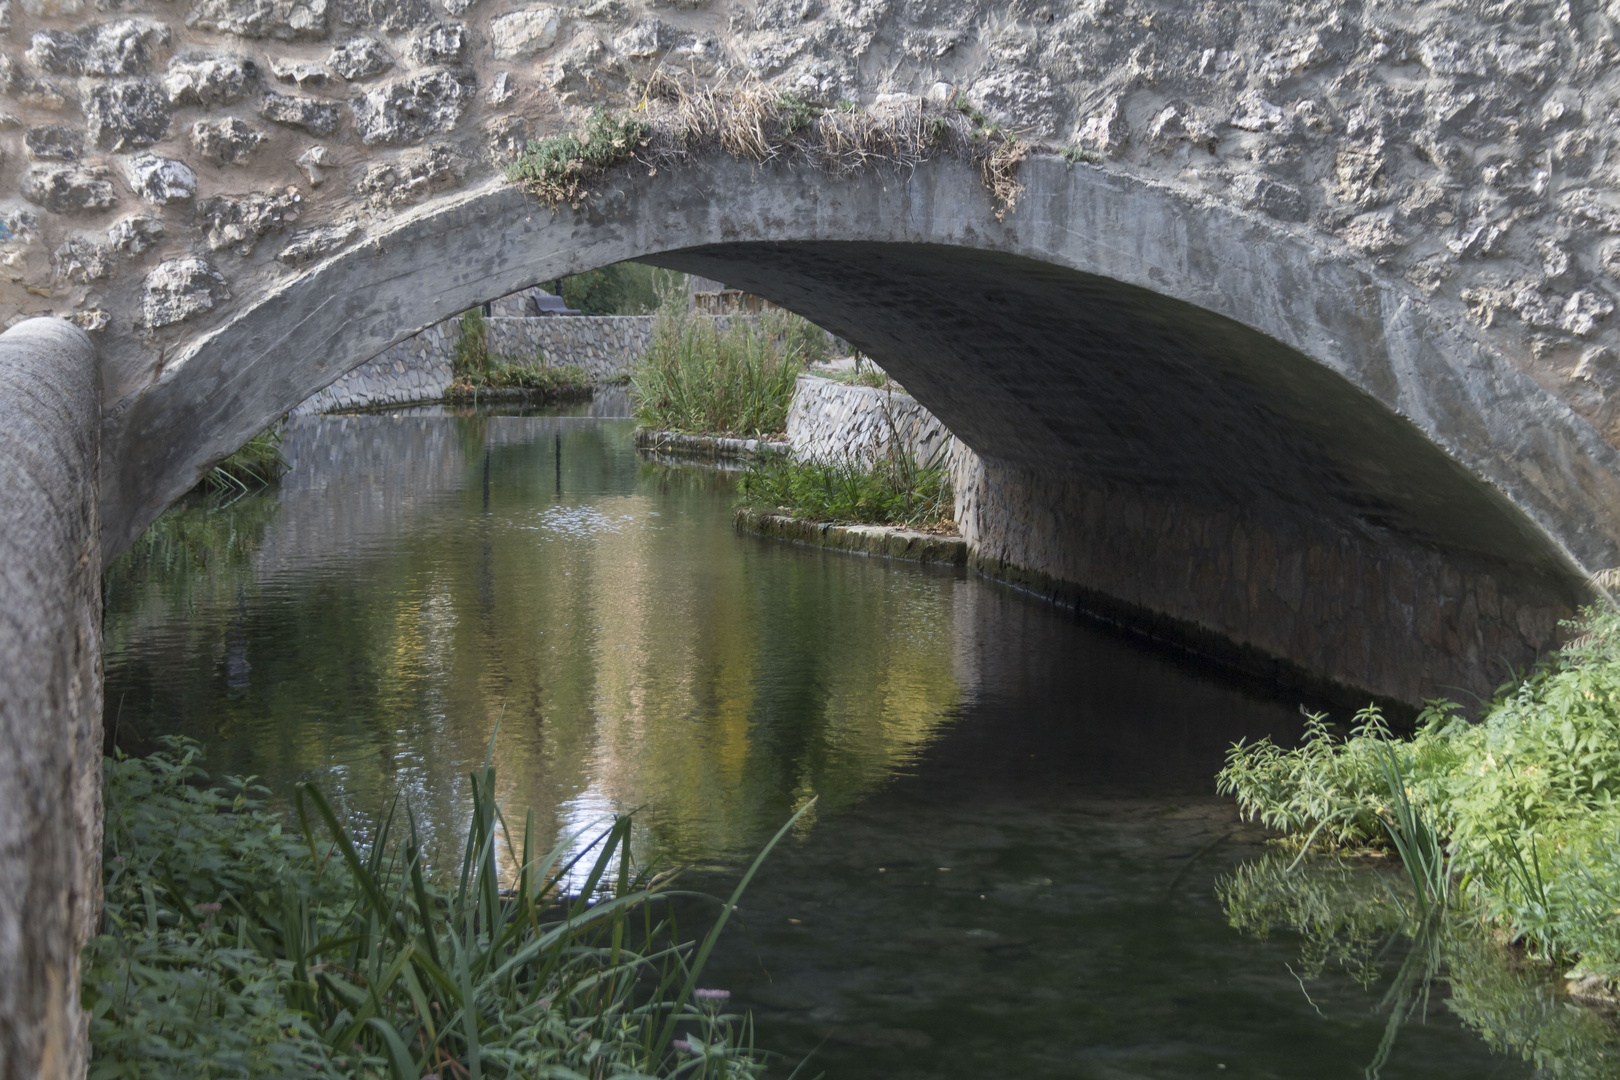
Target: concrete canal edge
(884, 540)
(705, 447)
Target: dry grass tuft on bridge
(675, 123)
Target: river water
(1011, 867)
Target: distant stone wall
(829, 419)
(415, 370)
(418, 368)
(606, 346)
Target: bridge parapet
(50, 692)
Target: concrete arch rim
(1464, 397)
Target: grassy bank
(1514, 821)
(893, 490)
(476, 370)
(722, 377)
(235, 943)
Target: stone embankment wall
(1197, 575)
(606, 346)
(419, 368)
(830, 419)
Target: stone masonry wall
(163, 164)
(419, 368)
(1287, 598)
(830, 419)
(606, 346)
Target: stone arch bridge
(1300, 351)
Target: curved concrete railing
(50, 691)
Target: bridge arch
(1186, 416)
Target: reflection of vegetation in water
(195, 554)
(637, 660)
(233, 946)
(1362, 919)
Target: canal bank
(1013, 860)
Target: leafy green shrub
(232, 946)
(1527, 802)
(561, 168)
(893, 490)
(699, 377)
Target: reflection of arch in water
(1186, 416)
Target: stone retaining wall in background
(831, 419)
(606, 346)
(418, 368)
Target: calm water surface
(1011, 867)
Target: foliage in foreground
(234, 947)
(892, 490)
(730, 376)
(1520, 809)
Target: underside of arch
(1180, 414)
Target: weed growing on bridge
(723, 377)
(562, 168)
(234, 946)
(1518, 814)
(676, 123)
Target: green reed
(732, 376)
(233, 945)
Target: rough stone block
(53, 142)
(283, 20)
(69, 189)
(226, 142)
(238, 222)
(161, 180)
(523, 33)
(127, 114)
(135, 235)
(393, 16)
(181, 289)
(416, 175)
(209, 80)
(300, 73)
(359, 58)
(440, 44)
(412, 109)
(79, 261)
(315, 117)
